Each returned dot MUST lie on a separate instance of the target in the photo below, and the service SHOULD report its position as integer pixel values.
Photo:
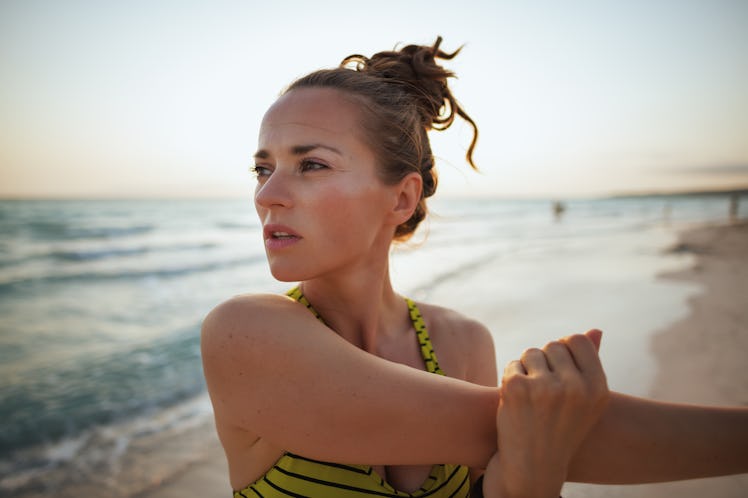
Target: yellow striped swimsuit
(297, 476)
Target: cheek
(338, 207)
(351, 210)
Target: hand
(550, 399)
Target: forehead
(323, 112)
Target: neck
(360, 306)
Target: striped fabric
(297, 476)
(427, 350)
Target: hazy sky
(164, 98)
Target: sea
(101, 303)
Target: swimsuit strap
(296, 294)
(427, 350)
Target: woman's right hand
(550, 399)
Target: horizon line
(740, 190)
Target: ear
(407, 194)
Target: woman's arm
(273, 370)
(638, 440)
(548, 433)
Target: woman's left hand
(550, 399)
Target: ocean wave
(59, 402)
(116, 252)
(81, 253)
(64, 230)
(96, 254)
(18, 283)
(85, 465)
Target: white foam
(67, 449)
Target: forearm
(638, 440)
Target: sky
(576, 98)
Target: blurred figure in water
(558, 210)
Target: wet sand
(701, 358)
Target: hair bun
(414, 67)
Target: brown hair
(403, 94)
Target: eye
(259, 171)
(312, 165)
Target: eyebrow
(298, 150)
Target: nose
(274, 191)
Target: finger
(534, 361)
(558, 357)
(584, 354)
(514, 367)
(596, 336)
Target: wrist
(490, 490)
(522, 483)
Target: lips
(279, 236)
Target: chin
(285, 274)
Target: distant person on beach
(734, 203)
(558, 210)
(346, 388)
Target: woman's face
(322, 206)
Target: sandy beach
(700, 359)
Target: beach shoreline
(703, 355)
(687, 371)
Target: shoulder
(464, 346)
(245, 343)
(242, 304)
(453, 324)
(248, 312)
(249, 325)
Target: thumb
(595, 336)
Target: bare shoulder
(464, 346)
(243, 341)
(245, 306)
(244, 316)
(456, 326)
(240, 332)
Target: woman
(331, 391)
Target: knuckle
(513, 381)
(577, 341)
(552, 345)
(513, 368)
(514, 385)
(531, 352)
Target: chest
(405, 350)
(408, 478)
